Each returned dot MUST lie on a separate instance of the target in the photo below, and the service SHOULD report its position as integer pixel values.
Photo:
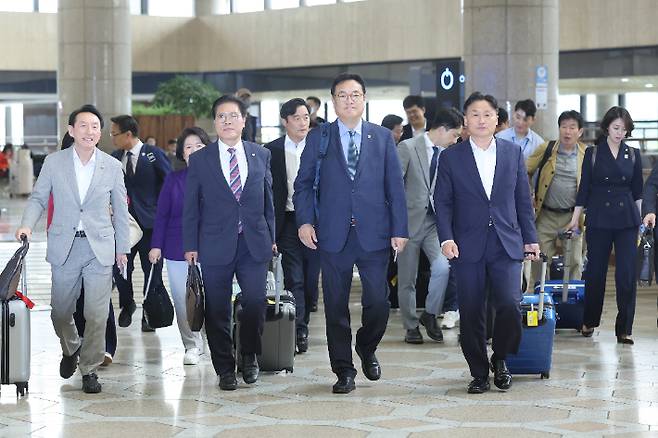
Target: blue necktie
(433, 163)
(352, 155)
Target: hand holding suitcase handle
(542, 284)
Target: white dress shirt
(135, 151)
(83, 175)
(485, 160)
(225, 159)
(418, 132)
(293, 152)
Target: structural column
(94, 59)
(207, 7)
(504, 43)
(604, 102)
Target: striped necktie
(352, 155)
(236, 182)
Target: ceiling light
(624, 79)
(648, 85)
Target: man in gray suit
(88, 233)
(419, 157)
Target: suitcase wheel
(545, 375)
(289, 370)
(21, 389)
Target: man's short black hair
(477, 96)
(347, 77)
(390, 121)
(571, 115)
(413, 100)
(614, 113)
(85, 109)
(449, 118)
(290, 107)
(172, 141)
(67, 141)
(527, 106)
(503, 116)
(127, 123)
(180, 142)
(229, 98)
(315, 99)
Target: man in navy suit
(361, 214)
(485, 223)
(301, 265)
(228, 227)
(145, 168)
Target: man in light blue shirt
(520, 132)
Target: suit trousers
(337, 269)
(218, 282)
(599, 247)
(548, 224)
(110, 328)
(500, 274)
(177, 273)
(450, 300)
(427, 240)
(81, 264)
(125, 287)
(301, 270)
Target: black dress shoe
(314, 307)
(413, 336)
(302, 342)
(625, 340)
(146, 328)
(90, 384)
(369, 365)
(586, 331)
(126, 314)
(502, 376)
(344, 385)
(228, 382)
(68, 364)
(479, 385)
(249, 368)
(433, 330)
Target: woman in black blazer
(611, 192)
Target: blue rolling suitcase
(536, 349)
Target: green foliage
(186, 96)
(139, 109)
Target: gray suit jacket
(417, 185)
(107, 234)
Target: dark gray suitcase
(278, 339)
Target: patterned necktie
(433, 163)
(236, 183)
(352, 155)
(130, 172)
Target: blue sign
(541, 75)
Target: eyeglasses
(225, 117)
(354, 96)
(116, 134)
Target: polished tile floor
(597, 388)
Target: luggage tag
(532, 317)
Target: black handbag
(645, 256)
(194, 298)
(158, 310)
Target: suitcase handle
(567, 237)
(542, 284)
(278, 281)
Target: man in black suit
(414, 107)
(145, 168)
(301, 266)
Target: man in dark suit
(414, 107)
(301, 266)
(228, 227)
(485, 223)
(145, 168)
(361, 214)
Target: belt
(80, 233)
(557, 210)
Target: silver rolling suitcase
(21, 174)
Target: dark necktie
(352, 155)
(236, 181)
(130, 172)
(433, 163)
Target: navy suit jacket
(375, 198)
(463, 209)
(144, 187)
(279, 180)
(211, 212)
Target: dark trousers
(336, 284)
(599, 246)
(110, 329)
(502, 275)
(301, 271)
(125, 287)
(450, 300)
(251, 275)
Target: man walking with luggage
(361, 213)
(84, 239)
(486, 224)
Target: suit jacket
(107, 233)
(211, 212)
(168, 224)
(418, 187)
(375, 199)
(144, 187)
(279, 181)
(609, 189)
(463, 210)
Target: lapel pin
(253, 155)
(369, 136)
(143, 154)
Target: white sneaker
(450, 318)
(191, 356)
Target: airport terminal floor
(596, 387)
